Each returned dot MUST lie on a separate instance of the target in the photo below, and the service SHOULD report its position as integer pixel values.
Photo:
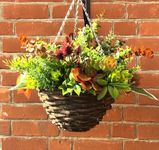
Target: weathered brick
(33, 11)
(59, 144)
(97, 144)
(23, 112)
(34, 129)
(24, 144)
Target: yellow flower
(108, 63)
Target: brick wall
(132, 124)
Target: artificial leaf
(93, 92)
(86, 85)
(77, 90)
(100, 76)
(67, 91)
(27, 93)
(71, 76)
(84, 77)
(19, 86)
(124, 86)
(75, 73)
(96, 87)
(144, 92)
(101, 82)
(113, 91)
(102, 93)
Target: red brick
(152, 43)
(123, 130)
(124, 98)
(108, 10)
(125, 28)
(25, 11)
(105, 28)
(37, 28)
(133, 62)
(142, 11)
(6, 28)
(143, 100)
(23, 112)
(40, 0)
(149, 28)
(102, 0)
(2, 59)
(114, 114)
(139, 145)
(141, 114)
(101, 130)
(4, 95)
(129, 0)
(9, 78)
(21, 98)
(4, 128)
(148, 132)
(24, 144)
(12, 45)
(149, 80)
(69, 27)
(7, 0)
(149, 64)
(97, 145)
(59, 144)
(64, 8)
(150, 0)
(34, 129)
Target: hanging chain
(64, 21)
(90, 23)
(76, 21)
(76, 15)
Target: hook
(87, 6)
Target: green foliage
(109, 45)
(102, 94)
(40, 73)
(113, 91)
(143, 92)
(78, 65)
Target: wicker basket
(74, 113)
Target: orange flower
(143, 52)
(26, 92)
(23, 40)
(108, 63)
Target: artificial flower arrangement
(79, 66)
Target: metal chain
(64, 21)
(90, 23)
(76, 15)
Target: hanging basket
(74, 113)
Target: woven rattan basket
(74, 113)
